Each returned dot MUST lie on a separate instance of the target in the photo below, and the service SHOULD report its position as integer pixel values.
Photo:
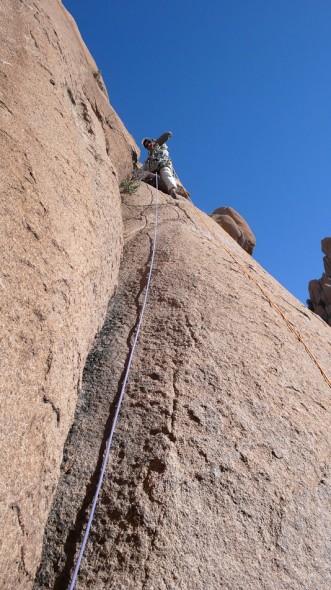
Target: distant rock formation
(236, 226)
(320, 290)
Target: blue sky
(245, 87)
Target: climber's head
(148, 143)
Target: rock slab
(63, 154)
(219, 475)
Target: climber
(158, 160)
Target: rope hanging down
(268, 298)
(109, 442)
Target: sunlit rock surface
(219, 472)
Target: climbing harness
(109, 442)
(268, 298)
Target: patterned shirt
(157, 158)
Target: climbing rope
(268, 298)
(109, 442)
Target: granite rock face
(63, 154)
(236, 226)
(219, 475)
(320, 290)
(219, 472)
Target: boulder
(236, 226)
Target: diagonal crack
(4, 106)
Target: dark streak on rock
(4, 106)
(54, 408)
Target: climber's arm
(163, 138)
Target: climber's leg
(169, 180)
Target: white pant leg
(168, 177)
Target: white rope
(105, 460)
